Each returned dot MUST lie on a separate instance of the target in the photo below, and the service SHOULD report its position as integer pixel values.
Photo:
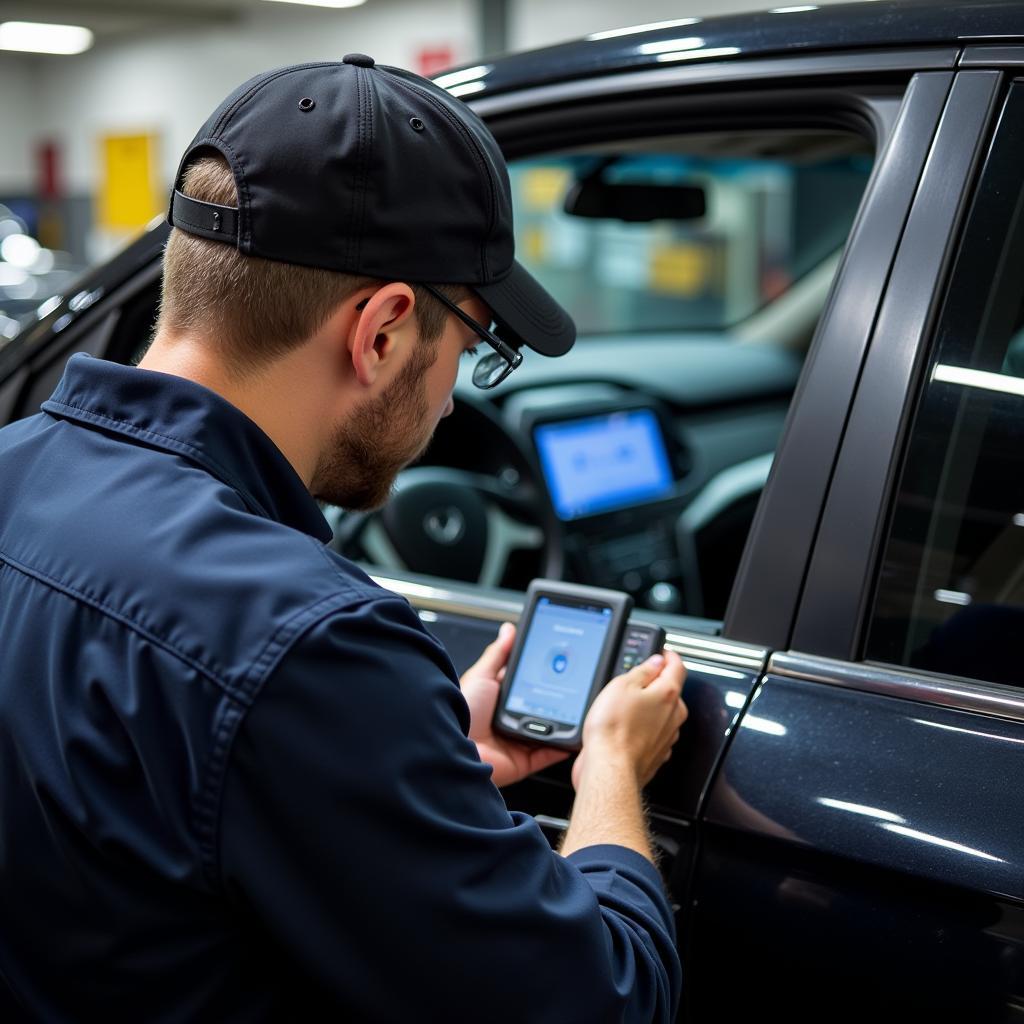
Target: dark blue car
(793, 430)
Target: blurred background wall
(89, 142)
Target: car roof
(786, 29)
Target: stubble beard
(379, 439)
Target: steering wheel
(460, 523)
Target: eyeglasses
(491, 369)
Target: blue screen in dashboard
(603, 462)
(558, 661)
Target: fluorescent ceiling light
(11, 276)
(711, 51)
(465, 75)
(970, 732)
(868, 812)
(668, 45)
(650, 27)
(759, 724)
(37, 37)
(979, 379)
(43, 263)
(939, 841)
(21, 250)
(321, 3)
(466, 88)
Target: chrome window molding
(987, 56)
(692, 648)
(906, 684)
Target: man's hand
(628, 735)
(636, 719)
(481, 684)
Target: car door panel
(860, 851)
(781, 931)
(880, 780)
(862, 856)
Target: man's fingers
(646, 672)
(545, 757)
(682, 712)
(672, 675)
(495, 654)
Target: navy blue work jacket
(235, 778)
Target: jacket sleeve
(361, 830)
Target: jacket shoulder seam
(209, 799)
(77, 594)
(166, 440)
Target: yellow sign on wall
(679, 269)
(129, 197)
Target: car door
(861, 846)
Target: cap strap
(218, 223)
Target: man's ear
(381, 318)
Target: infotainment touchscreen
(603, 462)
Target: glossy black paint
(874, 842)
(861, 26)
(780, 932)
(928, 791)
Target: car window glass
(950, 594)
(696, 268)
(742, 218)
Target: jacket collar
(177, 415)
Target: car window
(950, 594)
(698, 239)
(696, 268)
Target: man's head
(249, 314)
(256, 309)
(311, 213)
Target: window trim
(991, 699)
(836, 599)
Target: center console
(617, 479)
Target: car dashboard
(645, 455)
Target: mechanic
(240, 781)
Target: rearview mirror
(595, 197)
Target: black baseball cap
(371, 170)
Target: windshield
(766, 222)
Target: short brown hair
(256, 309)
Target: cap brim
(526, 314)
